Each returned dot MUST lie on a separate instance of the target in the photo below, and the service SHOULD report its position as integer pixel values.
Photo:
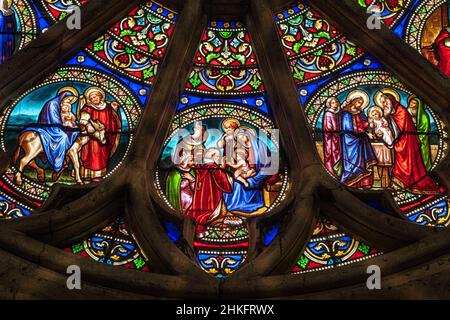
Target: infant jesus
(243, 170)
(380, 125)
(67, 116)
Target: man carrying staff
(95, 155)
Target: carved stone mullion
(398, 235)
(392, 264)
(280, 88)
(360, 219)
(39, 258)
(144, 206)
(169, 84)
(374, 235)
(132, 188)
(149, 233)
(44, 55)
(106, 193)
(397, 229)
(279, 5)
(42, 256)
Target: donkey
(30, 143)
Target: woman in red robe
(409, 170)
(95, 156)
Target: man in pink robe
(331, 137)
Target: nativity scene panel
(222, 161)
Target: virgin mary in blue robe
(55, 138)
(357, 153)
(250, 199)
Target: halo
(329, 99)
(359, 93)
(91, 90)
(383, 92)
(412, 97)
(71, 90)
(247, 128)
(374, 108)
(228, 120)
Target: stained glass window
(314, 47)
(155, 146)
(88, 139)
(217, 163)
(135, 45)
(59, 9)
(23, 20)
(390, 12)
(423, 24)
(113, 245)
(371, 132)
(329, 247)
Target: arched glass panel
(371, 132)
(76, 125)
(330, 247)
(221, 161)
(113, 245)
